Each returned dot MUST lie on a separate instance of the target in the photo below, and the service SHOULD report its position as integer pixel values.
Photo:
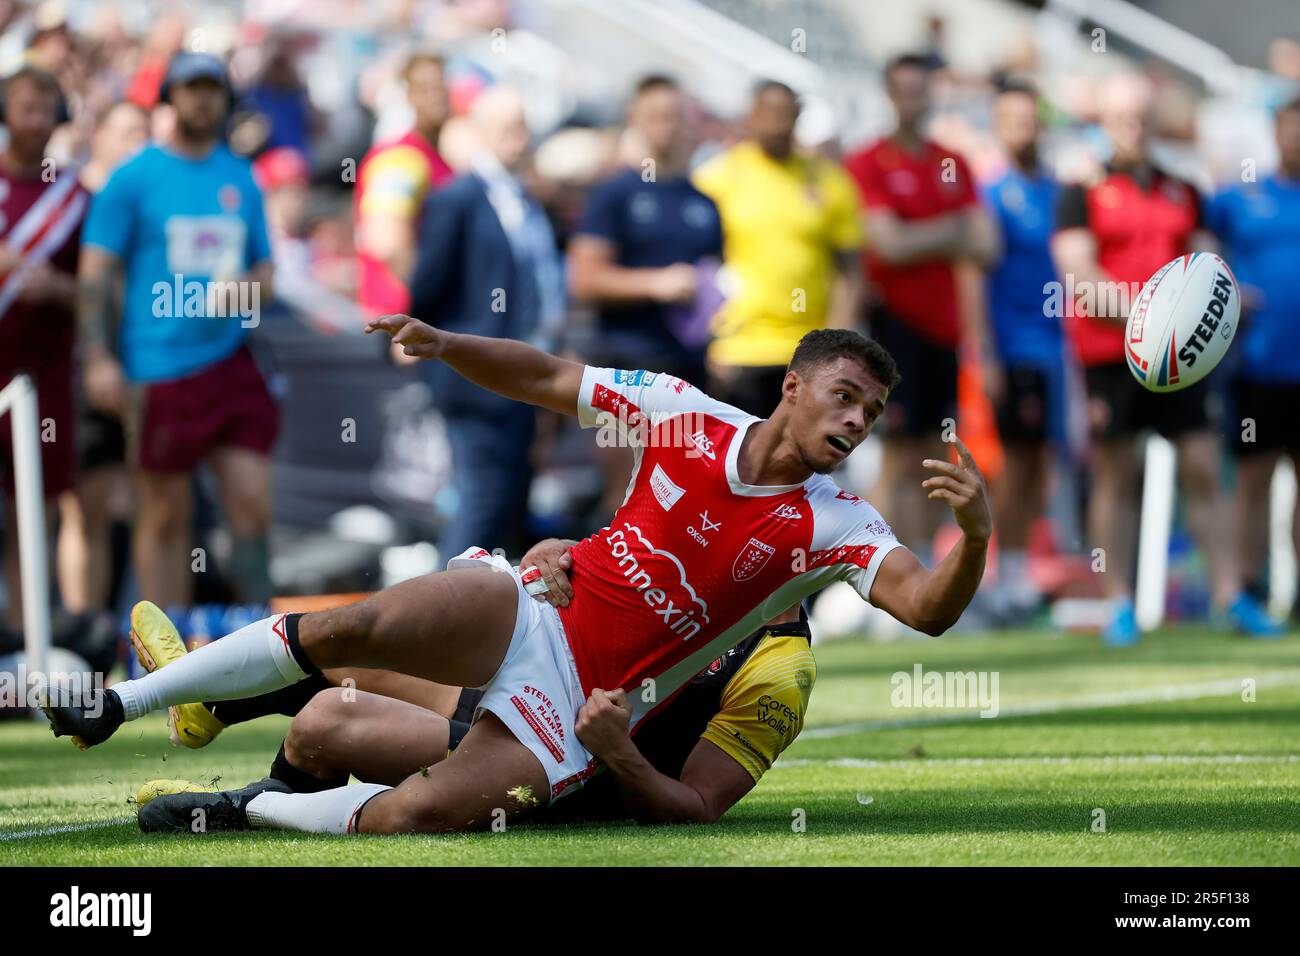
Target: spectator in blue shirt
(1259, 225)
(184, 223)
(641, 253)
(1028, 337)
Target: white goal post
(18, 399)
(1160, 483)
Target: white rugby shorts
(536, 692)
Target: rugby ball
(1182, 322)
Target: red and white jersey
(695, 559)
(40, 225)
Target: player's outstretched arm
(931, 600)
(711, 783)
(505, 366)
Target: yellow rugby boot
(160, 788)
(157, 643)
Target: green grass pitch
(1158, 738)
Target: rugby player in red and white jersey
(728, 520)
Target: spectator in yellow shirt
(791, 237)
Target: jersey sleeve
(851, 537)
(111, 220)
(395, 182)
(626, 397)
(763, 706)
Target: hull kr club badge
(751, 559)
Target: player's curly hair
(825, 345)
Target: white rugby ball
(1182, 322)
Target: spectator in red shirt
(40, 232)
(1112, 235)
(927, 236)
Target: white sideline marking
(1151, 695)
(65, 828)
(991, 761)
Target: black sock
(300, 780)
(456, 733)
(287, 700)
(113, 706)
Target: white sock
(330, 811)
(251, 661)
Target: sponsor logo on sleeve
(634, 377)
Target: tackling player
(718, 499)
(689, 763)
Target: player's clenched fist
(418, 339)
(603, 720)
(962, 486)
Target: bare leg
(1112, 513)
(85, 565)
(244, 477)
(377, 739)
(1254, 478)
(162, 536)
(1017, 503)
(490, 771)
(1018, 497)
(1207, 513)
(442, 698)
(452, 627)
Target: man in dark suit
(488, 265)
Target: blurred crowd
(170, 191)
